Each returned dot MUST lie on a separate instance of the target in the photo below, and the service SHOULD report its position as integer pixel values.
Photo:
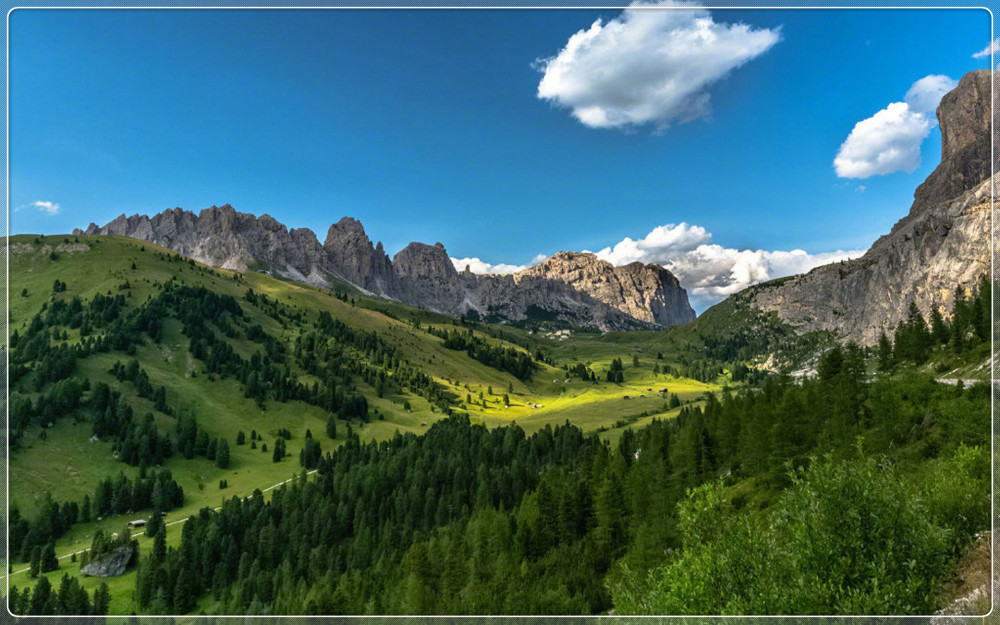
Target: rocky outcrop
(648, 293)
(943, 243)
(350, 252)
(576, 289)
(113, 564)
(222, 237)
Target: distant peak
(348, 229)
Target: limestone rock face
(576, 289)
(943, 243)
(428, 279)
(351, 256)
(648, 293)
(222, 237)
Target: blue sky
(428, 125)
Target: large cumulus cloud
(653, 64)
(708, 271)
(889, 141)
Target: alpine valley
(215, 414)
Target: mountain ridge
(941, 245)
(571, 287)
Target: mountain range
(940, 246)
(574, 288)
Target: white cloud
(708, 271)
(886, 142)
(476, 265)
(653, 64)
(49, 208)
(992, 48)
(711, 273)
(861, 188)
(925, 94)
(889, 141)
(662, 242)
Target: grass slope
(63, 461)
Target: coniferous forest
(719, 488)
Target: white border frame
(995, 385)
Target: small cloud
(49, 208)
(992, 48)
(861, 188)
(476, 265)
(653, 64)
(889, 141)
(538, 258)
(925, 94)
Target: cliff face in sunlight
(943, 243)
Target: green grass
(64, 462)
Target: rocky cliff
(649, 293)
(577, 289)
(222, 237)
(943, 243)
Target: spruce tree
(160, 545)
(222, 454)
(35, 565)
(885, 361)
(49, 562)
(939, 329)
(40, 597)
(102, 599)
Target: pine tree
(155, 524)
(184, 595)
(222, 454)
(49, 562)
(35, 566)
(40, 597)
(939, 329)
(102, 599)
(160, 545)
(85, 510)
(885, 362)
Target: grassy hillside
(59, 459)
(605, 462)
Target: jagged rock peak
(964, 118)
(419, 260)
(649, 293)
(577, 288)
(346, 227)
(942, 245)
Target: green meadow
(64, 462)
